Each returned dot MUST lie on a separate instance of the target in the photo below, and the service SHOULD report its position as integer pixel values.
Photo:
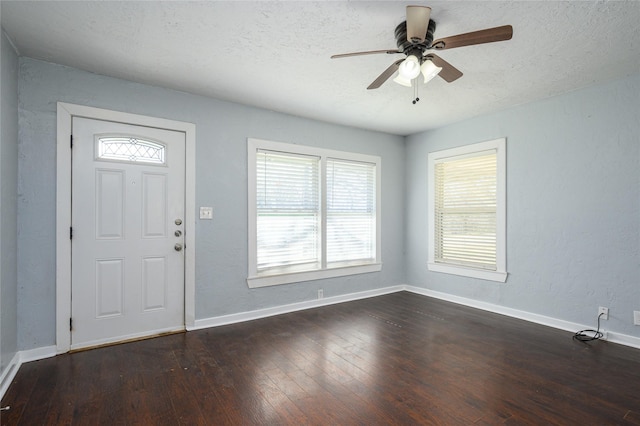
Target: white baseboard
(285, 309)
(623, 339)
(37, 354)
(614, 337)
(9, 374)
(20, 358)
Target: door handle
(178, 247)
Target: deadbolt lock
(177, 233)
(178, 222)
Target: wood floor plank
(394, 359)
(46, 386)
(19, 393)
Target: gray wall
(8, 201)
(221, 181)
(573, 206)
(573, 198)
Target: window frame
(256, 279)
(500, 274)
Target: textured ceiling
(275, 54)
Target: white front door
(128, 206)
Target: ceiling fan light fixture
(409, 68)
(402, 81)
(429, 70)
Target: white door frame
(66, 112)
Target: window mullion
(323, 212)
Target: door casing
(65, 112)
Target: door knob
(178, 247)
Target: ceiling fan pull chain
(415, 90)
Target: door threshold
(133, 339)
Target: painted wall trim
(614, 337)
(9, 374)
(65, 112)
(285, 309)
(37, 354)
(20, 358)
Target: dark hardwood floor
(396, 359)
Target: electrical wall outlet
(604, 311)
(320, 293)
(636, 317)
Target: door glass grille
(131, 149)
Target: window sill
(289, 278)
(498, 276)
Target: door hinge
(70, 324)
(70, 233)
(71, 141)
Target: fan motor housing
(407, 46)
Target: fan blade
(370, 52)
(417, 23)
(385, 75)
(449, 73)
(477, 37)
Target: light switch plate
(206, 212)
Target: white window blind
(351, 211)
(288, 211)
(313, 213)
(465, 210)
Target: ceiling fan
(414, 38)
